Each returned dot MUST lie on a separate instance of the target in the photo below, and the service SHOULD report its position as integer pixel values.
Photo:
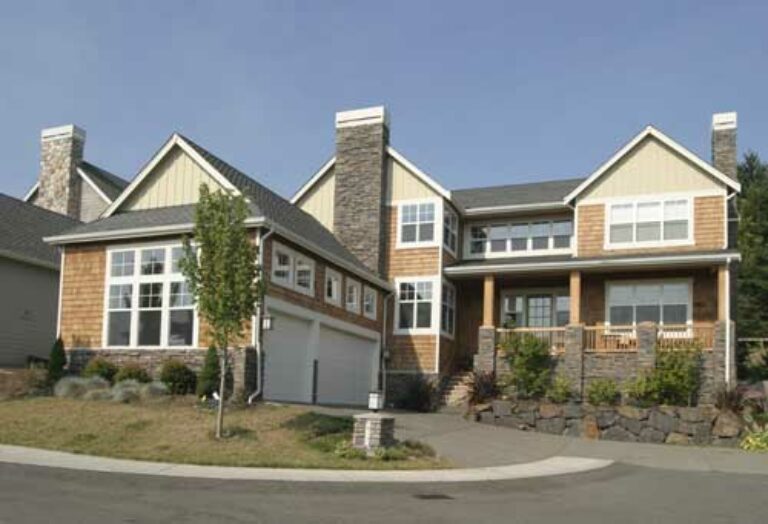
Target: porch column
(575, 297)
(485, 359)
(722, 293)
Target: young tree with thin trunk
(220, 264)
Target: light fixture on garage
(376, 401)
(267, 323)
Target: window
(417, 223)
(151, 307)
(450, 230)
(562, 310)
(282, 265)
(520, 238)
(663, 302)
(448, 310)
(305, 275)
(536, 308)
(415, 305)
(369, 302)
(352, 296)
(293, 270)
(332, 287)
(649, 222)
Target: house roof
(109, 184)
(549, 192)
(22, 228)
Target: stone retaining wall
(703, 425)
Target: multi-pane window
(415, 305)
(293, 270)
(332, 287)
(417, 223)
(305, 275)
(149, 304)
(450, 230)
(352, 296)
(519, 238)
(536, 309)
(655, 221)
(282, 265)
(658, 302)
(369, 302)
(448, 310)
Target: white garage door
(287, 362)
(347, 366)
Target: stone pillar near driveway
(573, 359)
(485, 359)
(647, 335)
(373, 430)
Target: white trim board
(31, 192)
(93, 185)
(651, 131)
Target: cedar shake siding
(82, 296)
(708, 230)
(409, 262)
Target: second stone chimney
(362, 137)
(61, 151)
(724, 143)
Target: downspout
(257, 333)
(728, 323)
(382, 356)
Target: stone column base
(373, 430)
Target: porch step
(456, 390)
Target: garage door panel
(347, 366)
(287, 362)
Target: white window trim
(508, 253)
(608, 245)
(448, 211)
(357, 306)
(437, 237)
(366, 291)
(434, 329)
(650, 281)
(525, 292)
(448, 334)
(292, 282)
(330, 300)
(136, 280)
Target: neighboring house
(374, 266)
(29, 280)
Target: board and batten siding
(404, 185)
(319, 201)
(175, 181)
(27, 311)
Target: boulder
(662, 421)
(527, 417)
(677, 438)
(575, 428)
(590, 429)
(633, 412)
(550, 411)
(726, 442)
(651, 435)
(727, 425)
(632, 425)
(512, 421)
(555, 426)
(487, 417)
(501, 408)
(606, 418)
(618, 433)
(572, 410)
(668, 410)
(690, 414)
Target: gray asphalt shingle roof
(516, 194)
(23, 226)
(109, 184)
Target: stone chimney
(359, 220)
(724, 143)
(61, 151)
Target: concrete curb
(58, 459)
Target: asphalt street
(619, 493)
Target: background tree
(223, 274)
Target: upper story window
(352, 296)
(292, 270)
(450, 230)
(649, 222)
(448, 309)
(417, 224)
(149, 305)
(332, 287)
(369, 302)
(520, 237)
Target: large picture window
(417, 223)
(649, 222)
(520, 238)
(414, 305)
(660, 302)
(149, 304)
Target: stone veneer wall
(61, 152)
(704, 425)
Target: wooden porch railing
(554, 336)
(623, 339)
(682, 336)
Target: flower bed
(703, 425)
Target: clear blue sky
(480, 93)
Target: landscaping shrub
(100, 367)
(530, 364)
(153, 390)
(57, 361)
(126, 391)
(77, 387)
(482, 387)
(757, 432)
(132, 372)
(98, 394)
(756, 362)
(677, 376)
(419, 395)
(178, 377)
(345, 450)
(602, 391)
(643, 391)
(561, 390)
(729, 399)
(208, 381)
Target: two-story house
(377, 273)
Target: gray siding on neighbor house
(91, 204)
(28, 303)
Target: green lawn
(176, 430)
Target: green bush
(643, 391)
(603, 391)
(57, 361)
(678, 376)
(756, 362)
(210, 375)
(530, 363)
(561, 390)
(482, 387)
(419, 395)
(100, 367)
(757, 431)
(178, 377)
(132, 372)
